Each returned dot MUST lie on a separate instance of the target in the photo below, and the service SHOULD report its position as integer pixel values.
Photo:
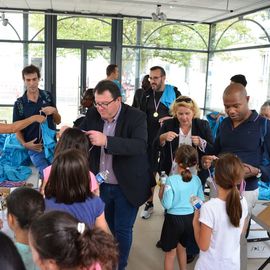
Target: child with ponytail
(175, 196)
(219, 223)
(59, 241)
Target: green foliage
(155, 35)
(90, 29)
(166, 35)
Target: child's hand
(196, 216)
(207, 161)
(1, 223)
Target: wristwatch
(259, 174)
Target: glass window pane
(226, 64)
(6, 114)
(188, 74)
(129, 31)
(235, 34)
(11, 55)
(262, 17)
(175, 35)
(13, 30)
(11, 83)
(167, 35)
(97, 61)
(36, 57)
(36, 27)
(90, 29)
(68, 64)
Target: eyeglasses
(187, 100)
(154, 78)
(103, 104)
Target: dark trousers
(120, 216)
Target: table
(256, 215)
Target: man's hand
(49, 110)
(97, 138)
(38, 118)
(207, 161)
(33, 146)
(250, 170)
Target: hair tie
(81, 227)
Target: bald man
(240, 133)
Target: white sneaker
(147, 211)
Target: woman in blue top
(68, 190)
(175, 196)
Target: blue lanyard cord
(40, 131)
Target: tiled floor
(145, 256)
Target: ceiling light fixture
(3, 19)
(159, 16)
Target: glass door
(97, 62)
(76, 70)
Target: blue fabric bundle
(214, 122)
(49, 141)
(13, 156)
(264, 190)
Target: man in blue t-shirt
(112, 73)
(33, 102)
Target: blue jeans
(120, 216)
(39, 161)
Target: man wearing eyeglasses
(156, 104)
(118, 134)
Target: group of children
(219, 219)
(73, 232)
(79, 237)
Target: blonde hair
(187, 102)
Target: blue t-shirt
(177, 193)
(86, 211)
(26, 255)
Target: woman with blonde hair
(185, 127)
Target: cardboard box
(258, 249)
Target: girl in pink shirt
(72, 138)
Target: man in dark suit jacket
(118, 134)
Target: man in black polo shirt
(33, 102)
(241, 133)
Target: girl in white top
(220, 222)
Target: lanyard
(155, 114)
(40, 131)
